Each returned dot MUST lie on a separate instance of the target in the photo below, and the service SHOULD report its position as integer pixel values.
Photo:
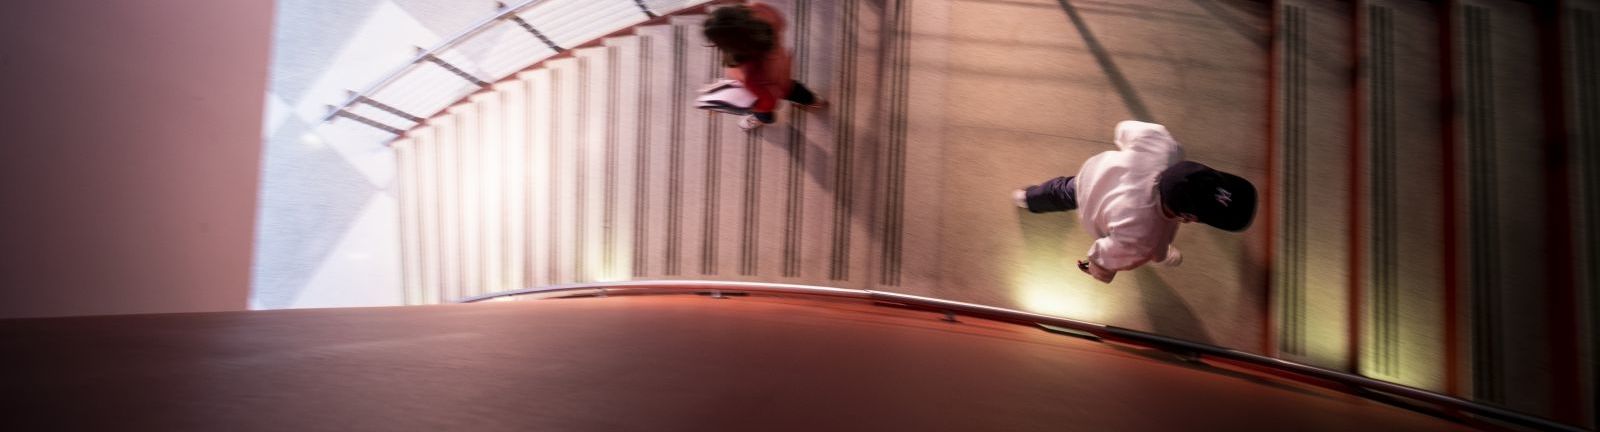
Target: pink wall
(129, 154)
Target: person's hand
(1174, 257)
(1099, 273)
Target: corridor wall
(128, 170)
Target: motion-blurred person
(1133, 199)
(750, 37)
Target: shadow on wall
(1168, 313)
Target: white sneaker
(750, 123)
(1020, 198)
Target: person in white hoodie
(1134, 198)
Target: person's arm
(1113, 254)
(1099, 273)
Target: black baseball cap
(1219, 199)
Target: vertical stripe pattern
(641, 173)
(1384, 236)
(713, 182)
(794, 220)
(895, 170)
(844, 150)
(459, 199)
(553, 201)
(572, 203)
(528, 194)
(580, 174)
(405, 158)
(608, 217)
(750, 222)
(507, 191)
(433, 217)
(1291, 248)
(674, 252)
(482, 161)
(1484, 280)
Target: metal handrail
(342, 109)
(1362, 384)
(482, 25)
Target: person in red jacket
(750, 38)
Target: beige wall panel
(428, 203)
(448, 161)
(691, 192)
(541, 134)
(513, 164)
(628, 133)
(567, 78)
(1503, 184)
(658, 44)
(410, 227)
(491, 180)
(468, 151)
(1312, 280)
(592, 142)
(1403, 286)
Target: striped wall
(1311, 266)
(892, 215)
(1289, 273)
(1501, 174)
(1383, 270)
(590, 168)
(1489, 84)
(1403, 326)
(1381, 142)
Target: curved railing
(1383, 391)
(508, 42)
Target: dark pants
(1054, 195)
(798, 93)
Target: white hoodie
(1118, 202)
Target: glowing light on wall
(492, 179)
(1052, 296)
(1048, 282)
(612, 276)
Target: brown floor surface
(627, 363)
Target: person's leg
(802, 96)
(1054, 195)
(798, 93)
